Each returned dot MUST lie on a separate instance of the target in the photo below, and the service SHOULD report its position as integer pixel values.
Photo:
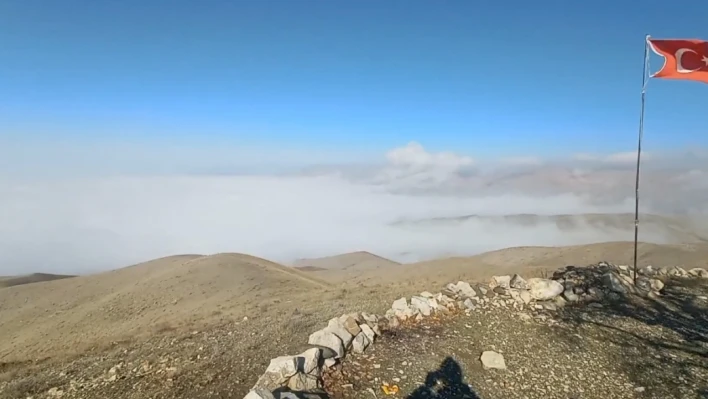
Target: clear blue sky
(498, 77)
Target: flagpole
(639, 151)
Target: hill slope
(358, 260)
(161, 294)
(534, 261)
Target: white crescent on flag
(679, 62)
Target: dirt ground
(206, 327)
(641, 348)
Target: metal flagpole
(639, 151)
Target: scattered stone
(359, 343)
(308, 361)
(613, 282)
(542, 289)
(400, 305)
(350, 324)
(278, 373)
(259, 393)
(500, 281)
(519, 283)
(571, 296)
(336, 327)
(327, 339)
(492, 360)
(426, 294)
(421, 304)
(698, 272)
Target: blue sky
(487, 78)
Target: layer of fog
(86, 224)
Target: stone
(492, 360)
(394, 323)
(309, 361)
(542, 289)
(525, 296)
(518, 282)
(329, 363)
(559, 301)
(468, 304)
(656, 284)
(614, 283)
(336, 327)
(400, 304)
(500, 281)
(327, 339)
(277, 373)
(360, 343)
(302, 382)
(259, 393)
(464, 289)
(369, 318)
(570, 296)
(350, 324)
(499, 290)
(698, 272)
(368, 332)
(426, 294)
(421, 303)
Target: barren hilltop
(256, 308)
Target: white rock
(469, 304)
(492, 360)
(400, 304)
(360, 343)
(698, 272)
(464, 289)
(500, 281)
(328, 363)
(336, 327)
(518, 282)
(259, 393)
(542, 289)
(327, 339)
(302, 382)
(277, 373)
(656, 284)
(420, 303)
(426, 294)
(525, 296)
(309, 360)
(369, 332)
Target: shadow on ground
(661, 343)
(445, 383)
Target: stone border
(355, 332)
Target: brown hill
(342, 268)
(30, 278)
(353, 260)
(64, 315)
(534, 261)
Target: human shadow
(662, 340)
(444, 383)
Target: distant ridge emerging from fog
(672, 229)
(354, 260)
(29, 279)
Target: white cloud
(78, 224)
(97, 223)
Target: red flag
(685, 59)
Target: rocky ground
(615, 343)
(634, 348)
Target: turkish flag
(684, 59)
